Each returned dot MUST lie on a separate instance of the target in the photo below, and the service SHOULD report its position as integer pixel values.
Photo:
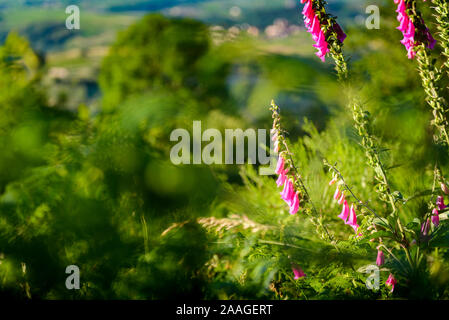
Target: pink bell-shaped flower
(342, 198)
(425, 227)
(276, 146)
(291, 195)
(295, 205)
(344, 212)
(440, 203)
(286, 189)
(281, 179)
(280, 165)
(299, 273)
(337, 194)
(352, 220)
(431, 45)
(380, 258)
(409, 30)
(401, 7)
(435, 217)
(341, 36)
(391, 281)
(444, 188)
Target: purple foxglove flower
(344, 212)
(291, 196)
(380, 258)
(321, 54)
(431, 43)
(409, 30)
(337, 194)
(308, 9)
(298, 273)
(317, 34)
(313, 25)
(286, 189)
(280, 165)
(410, 33)
(295, 205)
(276, 146)
(411, 54)
(332, 181)
(440, 203)
(356, 227)
(391, 281)
(289, 193)
(425, 227)
(435, 217)
(444, 188)
(352, 220)
(401, 7)
(342, 198)
(403, 22)
(281, 180)
(340, 34)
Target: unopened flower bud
(444, 188)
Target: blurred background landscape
(85, 174)
(72, 57)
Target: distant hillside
(42, 21)
(113, 5)
(214, 11)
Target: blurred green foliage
(156, 53)
(93, 191)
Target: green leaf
(440, 238)
(382, 222)
(383, 234)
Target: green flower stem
(441, 8)
(321, 228)
(362, 124)
(341, 178)
(431, 77)
(315, 211)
